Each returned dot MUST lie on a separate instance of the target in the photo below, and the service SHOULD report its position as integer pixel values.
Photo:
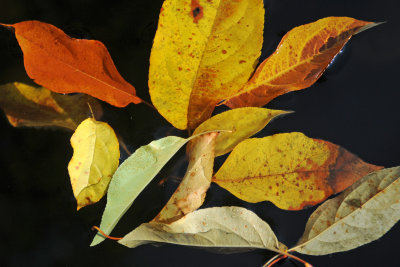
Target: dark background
(355, 104)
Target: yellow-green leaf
(290, 170)
(95, 159)
(242, 122)
(227, 227)
(134, 174)
(25, 105)
(203, 52)
(300, 59)
(191, 192)
(361, 214)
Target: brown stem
(104, 234)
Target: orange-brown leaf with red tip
(300, 59)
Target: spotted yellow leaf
(203, 52)
(290, 170)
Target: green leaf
(134, 174)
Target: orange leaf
(290, 170)
(68, 65)
(300, 59)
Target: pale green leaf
(361, 214)
(228, 227)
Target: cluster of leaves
(204, 54)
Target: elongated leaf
(30, 106)
(300, 59)
(203, 52)
(243, 122)
(134, 174)
(290, 170)
(229, 227)
(361, 214)
(191, 192)
(95, 159)
(68, 65)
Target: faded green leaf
(242, 122)
(132, 176)
(191, 192)
(25, 105)
(228, 227)
(361, 214)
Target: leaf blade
(212, 227)
(28, 106)
(340, 225)
(243, 122)
(196, 61)
(95, 159)
(133, 175)
(290, 170)
(295, 64)
(68, 65)
(190, 194)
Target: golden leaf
(203, 52)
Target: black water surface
(355, 104)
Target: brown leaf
(191, 192)
(26, 105)
(68, 65)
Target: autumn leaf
(300, 59)
(242, 123)
(95, 159)
(68, 65)
(132, 176)
(26, 105)
(203, 52)
(361, 214)
(190, 194)
(290, 170)
(228, 227)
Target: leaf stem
(104, 234)
(148, 104)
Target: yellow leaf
(290, 170)
(242, 122)
(95, 159)
(191, 192)
(203, 52)
(26, 105)
(300, 59)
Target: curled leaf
(30, 106)
(191, 192)
(203, 52)
(290, 170)
(228, 227)
(300, 59)
(132, 176)
(361, 214)
(68, 65)
(242, 122)
(95, 159)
